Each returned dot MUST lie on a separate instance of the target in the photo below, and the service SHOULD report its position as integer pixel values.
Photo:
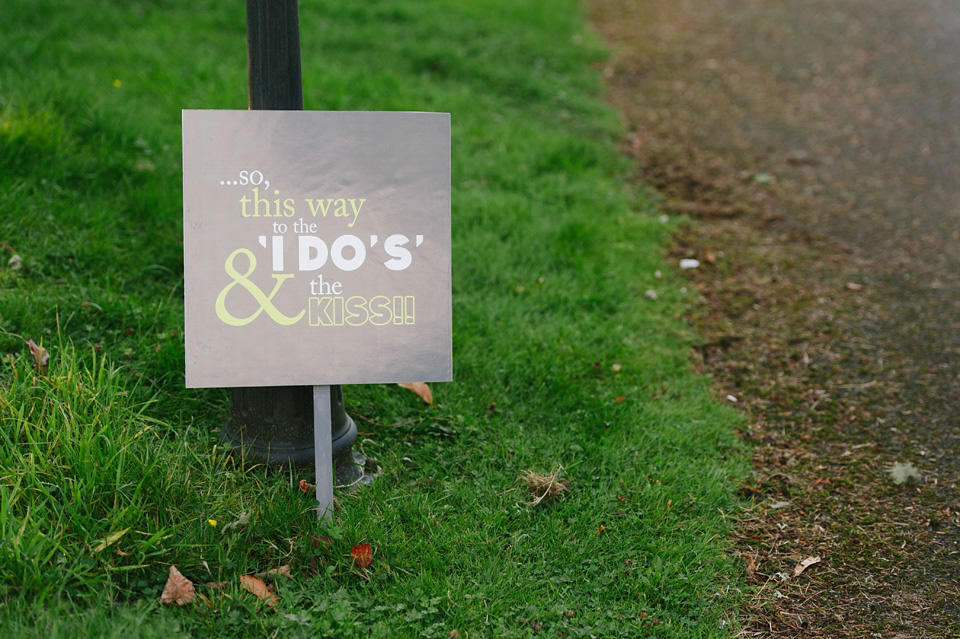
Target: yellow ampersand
(266, 301)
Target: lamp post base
(274, 426)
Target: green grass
(553, 251)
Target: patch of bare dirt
(787, 323)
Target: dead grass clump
(544, 487)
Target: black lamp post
(274, 425)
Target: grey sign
(316, 247)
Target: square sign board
(316, 247)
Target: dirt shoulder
(798, 322)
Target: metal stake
(323, 450)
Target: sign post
(323, 448)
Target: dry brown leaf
(179, 589)
(544, 486)
(307, 488)
(283, 570)
(362, 555)
(41, 357)
(259, 589)
(421, 389)
(803, 565)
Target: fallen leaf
(178, 590)
(751, 564)
(362, 555)
(853, 286)
(421, 389)
(619, 399)
(904, 474)
(763, 178)
(283, 571)
(110, 539)
(803, 565)
(41, 356)
(259, 589)
(307, 488)
(601, 529)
